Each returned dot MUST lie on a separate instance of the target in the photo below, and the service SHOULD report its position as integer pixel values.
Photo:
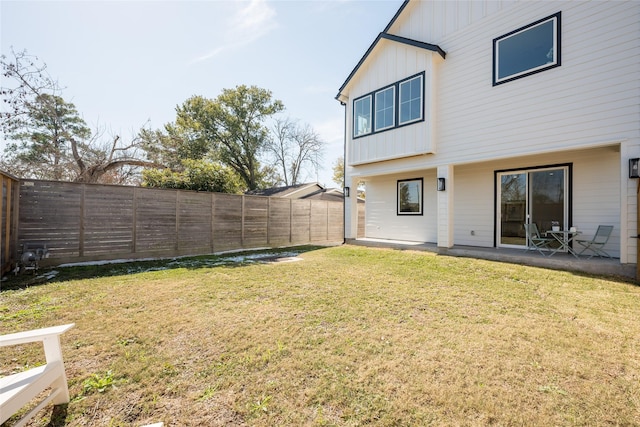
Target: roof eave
(398, 39)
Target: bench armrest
(33, 335)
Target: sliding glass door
(537, 196)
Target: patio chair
(533, 236)
(598, 241)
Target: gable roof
(312, 190)
(385, 35)
(291, 191)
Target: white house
(466, 119)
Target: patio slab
(559, 261)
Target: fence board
(108, 219)
(50, 215)
(300, 218)
(256, 221)
(194, 222)
(80, 222)
(279, 221)
(227, 232)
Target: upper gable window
(399, 104)
(362, 116)
(527, 50)
(385, 108)
(411, 100)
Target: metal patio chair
(537, 241)
(596, 244)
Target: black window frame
(355, 117)
(420, 181)
(375, 108)
(421, 117)
(396, 122)
(556, 18)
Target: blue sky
(124, 63)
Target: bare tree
(295, 147)
(49, 138)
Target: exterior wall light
(441, 186)
(634, 172)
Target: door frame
(496, 194)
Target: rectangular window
(411, 100)
(385, 108)
(398, 104)
(410, 197)
(362, 116)
(527, 50)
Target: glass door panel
(513, 209)
(535, 196)
(547, 198)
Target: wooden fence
(86, 222)
(9, 222)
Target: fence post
(310, 209)
(213, 222)
(82, 215)
(242, 213)
(134, 216)
(326, 204)
(177, 234)
(268, 220)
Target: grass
(349, 336)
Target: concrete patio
(559, 261)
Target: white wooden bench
(18, 390)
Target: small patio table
(564, 237)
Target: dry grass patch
(349, 336)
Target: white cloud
(331, 131)
(247, 25)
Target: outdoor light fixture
(634, 172)
(440, 184)
(346, 189)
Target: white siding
(390, 63)
(431, 21)
(596, 194)
(585, 112)
(592, 97)
(381, 218)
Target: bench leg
(53, 352)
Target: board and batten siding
(590, 100)
(390, 63)
(431, 21)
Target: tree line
(236, 142)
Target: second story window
(399, 104)
(362, 116)
(527, 50)
(411, 100)
(385, 108)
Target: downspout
(344, 177)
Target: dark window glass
(362, 116)
(411, 100)
(528, 50)
(385, 108)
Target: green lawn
(348, 336)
